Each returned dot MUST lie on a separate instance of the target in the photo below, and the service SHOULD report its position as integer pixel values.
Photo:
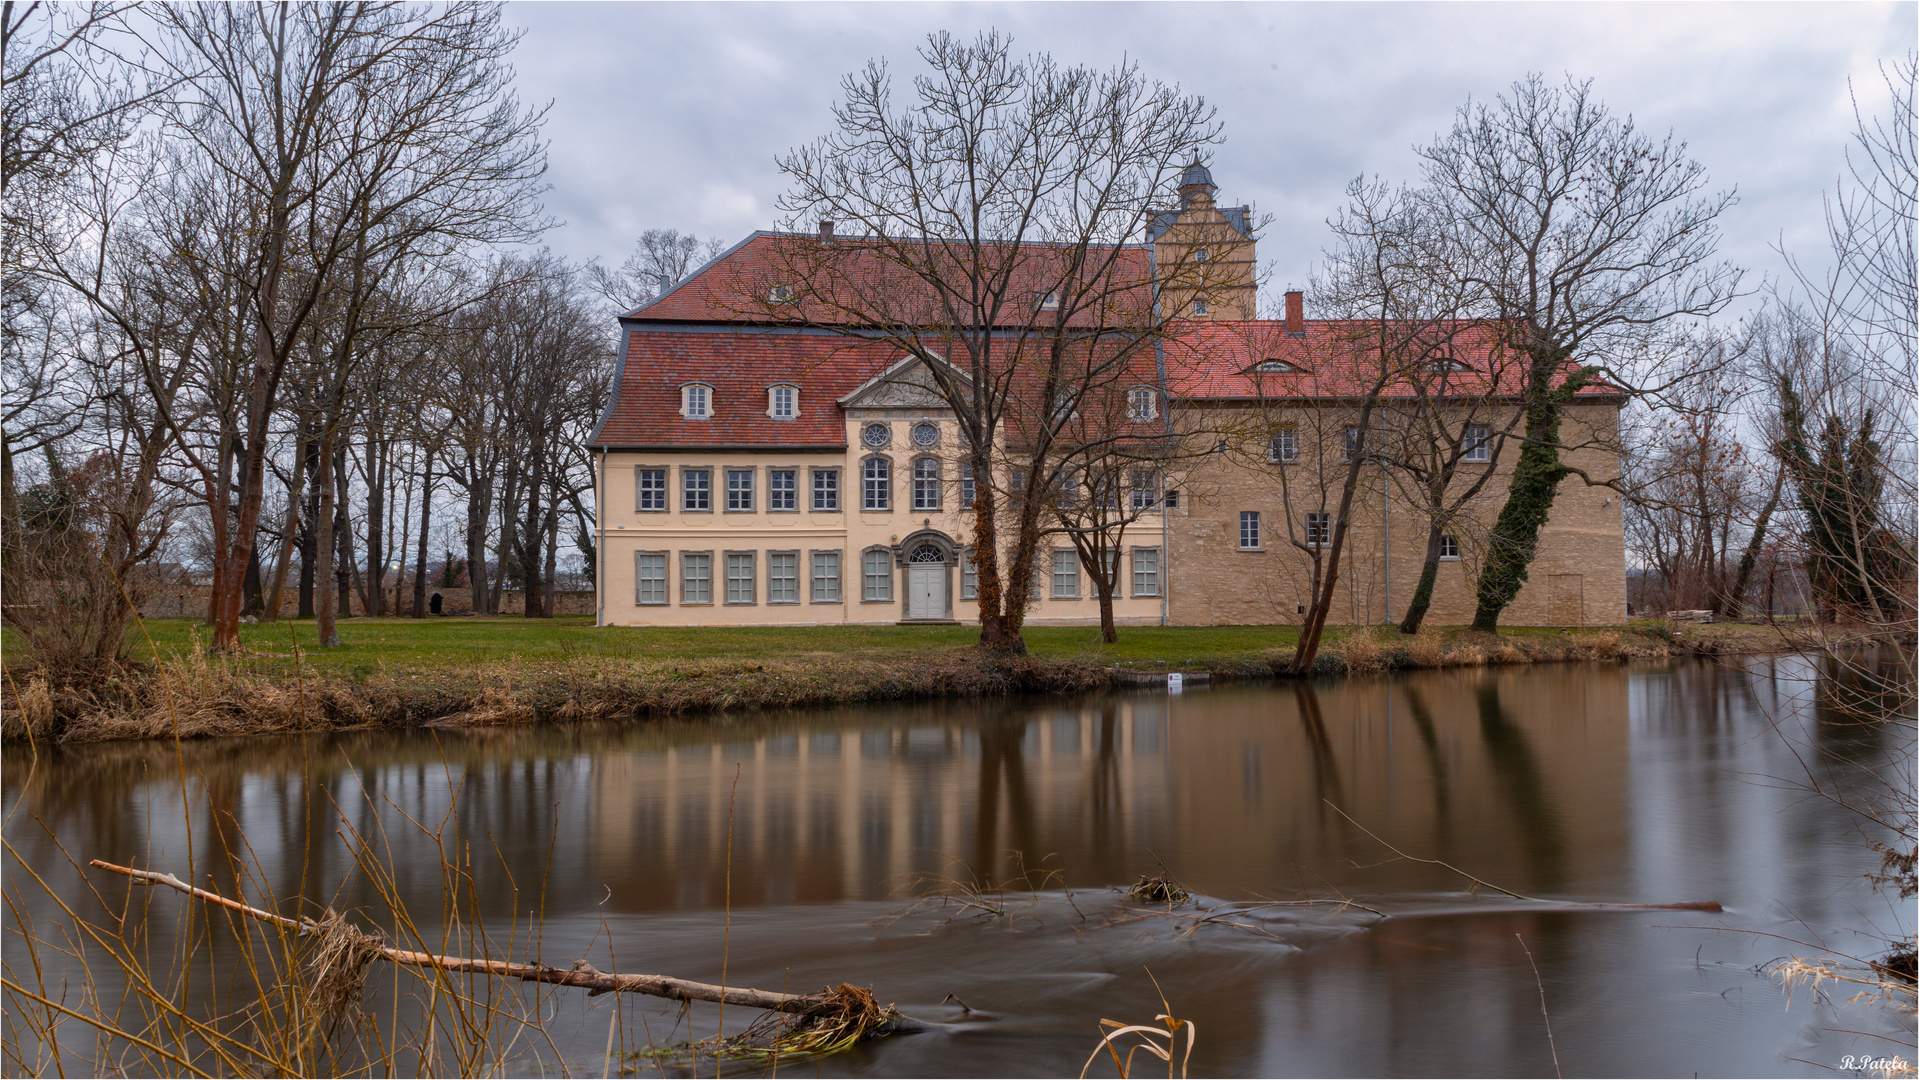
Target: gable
(907, 384)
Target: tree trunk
(309, 531)
(1529, 499)
(1428, 574)
(374, 598)
(552, 557)
(994, 635)
(426, 520)
(1732, 605)
(325, 524)
(479, 511)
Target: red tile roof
(1218, 361)
(739, 364)
(860, 284)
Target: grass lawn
(371, 644)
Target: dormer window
(1141, 403)
(783, 401)
(1444, 365)
(780, 294)
(1276, 367)
(1048, 301)
(696, 401)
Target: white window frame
(876, 576)
(739, 500)
(641, 580)
(969, 576)
(1047, 301)
(1477, 444)
(742, 578)
(829, 491)
(1146, 578)
(791, 560)
(827, 570)
(1144, 489)
(792, 403)
(876, 492)
(1249, 527)
(1065, 574)
(1352, 445)
(696, 401)
(791, 491)
(662, 493)
(968, 489)
(1142, 404)
(1448, 548)
(926, 484)
(1284, 448)
(1319, 529)
(1199, 307)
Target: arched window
(1142, 403)
(926, 553)
(696, 401)
(926, 484)
(876, 484)
(783, 401)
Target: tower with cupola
(1203, 253)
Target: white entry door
(926, 591)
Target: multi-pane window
(1141, 403)
(1145, 488)
(696, 489)
(650, 574)
(1478, 443)
(696, 577)
(1285, 444)
(969, 577)
(876, 484)
(1319, 529)
(1016, 480)
(782, 577)
(968, 492)
(1065, 575)
(696, 401)
(1449, 547)
(785, 402)
(926, 484)
(1105, 486)
(1199, 307)
(876, 569)
(739, 489)
(1066, 494)
(652, 489)
(826, 576)
(739, 577)
(779, 490)
(1355, 444)
(826, 489)
(1145, 571)
(1249, 528)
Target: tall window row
(793, 577)
(705, 489)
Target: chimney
(826, 231)
(1295, 313)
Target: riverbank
(460, 672)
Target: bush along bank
(202, 697)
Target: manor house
(755, 471)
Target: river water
(852, 831)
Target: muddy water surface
(1580, 783)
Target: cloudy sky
(671, 115)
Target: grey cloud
(671, 115)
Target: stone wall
(1578, 578)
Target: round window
(926, 434)
(876, 435)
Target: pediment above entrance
(908, 384)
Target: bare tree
(660, 258)
(1587, 238)
(991, 230)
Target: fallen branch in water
(1573, 905)
(581, 974)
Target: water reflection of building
(854, 812)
